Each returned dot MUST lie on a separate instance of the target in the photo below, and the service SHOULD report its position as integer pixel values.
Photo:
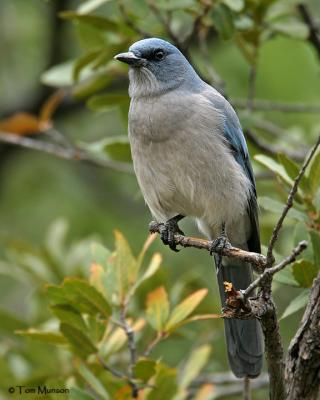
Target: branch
(67, 153)
(267, 105)
(289, 203)
(246, 389)
(274, 352)
(114, 372)
(221, 378)
(302, 364)
(269, 272)
(255, 259)
(314, 37)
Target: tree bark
(302, 372)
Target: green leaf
(275, 167)
(158, 308)
(114, 342)
(96, 328)
(79, 342)
(81, 290)
(106, 102)
(125, 264)
(185, 308)
(42, 336)
(315, 240)
(10, 322)
(91, 85)
(69, 315)
(296, 304)
(103, 275)
(171, 5)
(222, 19)
(290, 26)
(286, 277)
(277, 207)
(113, 148)
(150, 271)
(165, 386)
(93, 381)
(59, 75)
(293, 170)
(55, 239)
(196, 361)
(83, 62)
(79, 394)
(304, 272)
(314, 173)
(95, 21)
(56, 294)
(144, 369)
(91, 5)
(244, 23)
(234, 5)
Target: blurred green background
(52, 209)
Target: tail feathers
(243, 337)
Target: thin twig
(153, 344)
(289, 203)
(214, 77)
(276, 131)
(227, 385)
(221, 378)
(197, 23)
(130, 23)
(255, 259)
(268, 105)
(272, 150)
(314, 37)
(269, 272)
(69, 153)
(246, 389)
(251, 87)
(165, 21)
(114, 372)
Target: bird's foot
(217, 245)
(168, 230)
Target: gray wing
(232, 133)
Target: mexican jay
(191, 159)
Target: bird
(191, 160)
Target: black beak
(130, 58)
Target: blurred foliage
(47, 283)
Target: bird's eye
(159, 55)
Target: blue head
(156, 66)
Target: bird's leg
(169, 230)
(220, 243)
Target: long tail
(243, 337)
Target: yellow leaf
(228, 287)
(158, 308)
(21, 124)
(185, 308)
(48, 108)
(205, 392)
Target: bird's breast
(182, 163)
